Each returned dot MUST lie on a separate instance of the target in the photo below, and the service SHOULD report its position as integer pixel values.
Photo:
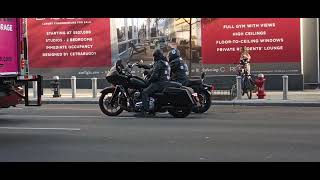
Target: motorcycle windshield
(112, 72)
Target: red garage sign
(69, 42)
(8, 46)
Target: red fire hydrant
(260, 84)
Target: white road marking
(123, 117)
(12, 108)
(67, 109)
(269, 156)
(31, 128)
(39, 116)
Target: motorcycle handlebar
(132, 65)
(127, 71)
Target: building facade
(279, 46)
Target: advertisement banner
(74, 44)
(8, 46)
(273, 43)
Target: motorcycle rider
(150, 66)
(179, 69)
(160, 75)
(245, 60)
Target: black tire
(206, 106)
(249, 94)
(180, 113)
(247, 89)
(103, 108)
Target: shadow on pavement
(157, 116)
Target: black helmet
(157, 54)
(173, 54)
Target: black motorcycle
(125, 94)
(203, 91)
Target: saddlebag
(179, 96)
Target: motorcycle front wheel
(106, 107)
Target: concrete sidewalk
(307, 98)
(273, 98)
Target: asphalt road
(226, 133)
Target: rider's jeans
(151, 89)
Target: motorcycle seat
(195, 82)
(173, 84)
(158, 94)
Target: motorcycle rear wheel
(180, 113)
(205, 102)
(105, 105)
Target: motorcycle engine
(136, 95)
(138, 106)
(138, 102)
(151, 104)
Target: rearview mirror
(203, 75)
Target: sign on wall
(274, 44)
(8, 46)
(74, 43)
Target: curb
(284, 103)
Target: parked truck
(14, 68)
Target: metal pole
(94, 87)
(318, 51)
(74, 86)
(285, 87)
(26, 93)
(35, 90)
(56, 87)
(239, 87)
(190, 46)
